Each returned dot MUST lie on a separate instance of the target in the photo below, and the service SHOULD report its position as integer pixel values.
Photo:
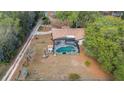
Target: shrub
(87, 63)
(46, 20)
(74, 76)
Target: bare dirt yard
(59, 67)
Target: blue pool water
(67, 49)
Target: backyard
(59, 67)
(88, 51)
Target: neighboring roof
(78, 33)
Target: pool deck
(66, 46)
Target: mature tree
(104, 41)
(78, 19)
(69, 16)
(86, 17)
(15, 27)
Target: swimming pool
(65, 46)
(66, 50)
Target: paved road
(10, 72)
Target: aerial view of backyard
(59, 67)
(62, 46)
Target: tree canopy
(14, 28)
(78, 19)
(104, 40)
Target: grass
(4, 62)
(4, 66)
(87, 63)
(74, 76)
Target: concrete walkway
(42, 33)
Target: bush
(74, 76)
(87, 63)
(46, 20)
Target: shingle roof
(78, 33)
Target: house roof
(78, 33)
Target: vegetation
(29, 54)
(104, 40)
(78, 19)
(74, 76)
(87, 63)
(46, 20)
(15, 27)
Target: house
(117, 13)
(67, 40)
(106, 12)
(50, 13)
(77, 33)
(113, 13)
